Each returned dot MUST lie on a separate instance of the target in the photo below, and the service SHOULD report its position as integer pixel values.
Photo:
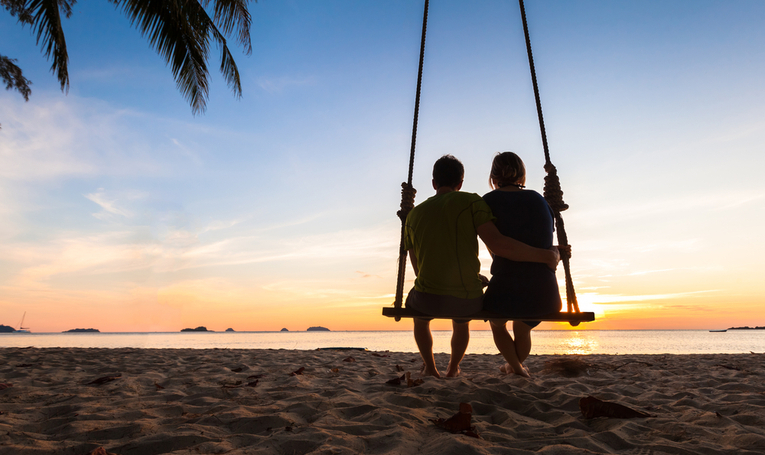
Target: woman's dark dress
(522, 289)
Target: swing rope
(552, 192)
(407, 190)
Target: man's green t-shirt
(442, 232)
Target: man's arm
(513, 249)
(413, 258)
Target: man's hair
(448, 171)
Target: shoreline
(185, 401)
(548, 342)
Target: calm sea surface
(481, 342)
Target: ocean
(481, 342)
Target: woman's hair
(507, 169)
(448, 171)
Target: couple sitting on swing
(440, 234)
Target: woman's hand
(565, 251)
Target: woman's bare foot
(507, 369)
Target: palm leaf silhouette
(181, 31)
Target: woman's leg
(522, 334)
(506, 347)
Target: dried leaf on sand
(459, 422)
(592, 407)
(104, 380)
(298, 371)
(5, 386)
(349, 359)
(396, 380)
(412, 382)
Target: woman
(518, 289)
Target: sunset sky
(124, 212)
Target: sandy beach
(184, 401)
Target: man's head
(448, 172)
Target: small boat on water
(723, 330)
(21, 328)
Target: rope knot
(407, 200)
(552, 192)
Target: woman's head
(507, 169)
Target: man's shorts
(440, 305)
(443, 305)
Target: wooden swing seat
(584, 316)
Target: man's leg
(424, 340)
(522, 334)
(507, 348)
(460, 339)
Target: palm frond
(173, 29)
(46, 22)
(18, 9)
(227, 64)
(231, 15)
(181, 30)
(13, 77)
(229, 70)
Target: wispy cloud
(71, 137)
(653, 208)
(108, 205)
(129, 250)
(187, 151)
(646, 272)
(280, 84)
(606, 299)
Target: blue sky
(123, 211)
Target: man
(441, 236)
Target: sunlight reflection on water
(575, 343)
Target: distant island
(230, 330)
(284, 330)
(81, 330)
(747, 328)
(317, 329)
(201, 328)
(6, 329)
